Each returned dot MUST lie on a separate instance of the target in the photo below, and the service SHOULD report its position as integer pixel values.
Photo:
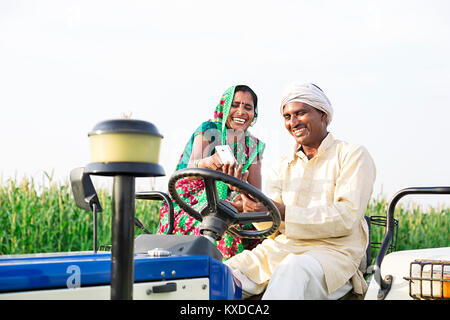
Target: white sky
(67, 65)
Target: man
(321, 191)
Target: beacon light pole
(124, 149)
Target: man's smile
(298, 131)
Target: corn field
(418, 228)
(46, 219)
(51, 222)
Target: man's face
(306, 124)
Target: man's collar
(326, 143)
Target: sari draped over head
(247, 150)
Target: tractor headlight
(125, 146)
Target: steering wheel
(219, 216)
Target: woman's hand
(231, 170)
(212, 162)
(215, 163)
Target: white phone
(225, 154)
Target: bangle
(196, 162)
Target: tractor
(188, 267)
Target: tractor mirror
(83, 190)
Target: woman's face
(242, 111)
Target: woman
(235, 113)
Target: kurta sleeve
(352, 191)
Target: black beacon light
(124, 149)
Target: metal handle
(385, 284)
(158, 195)
(168, 287)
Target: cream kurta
(326, 198)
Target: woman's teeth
(239, 120)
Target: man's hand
(237, 203)
(252, 205)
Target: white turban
(310, 94)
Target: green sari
(247, 150)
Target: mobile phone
(225, 154)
